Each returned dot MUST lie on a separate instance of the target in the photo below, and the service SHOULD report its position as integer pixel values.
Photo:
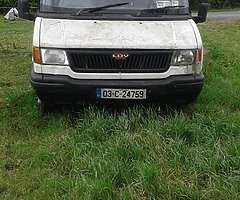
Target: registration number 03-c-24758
(108, 93)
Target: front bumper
(176, 89)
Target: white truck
(116, 50)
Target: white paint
(66, 33)
(12, 14)
(199, 44)
(36, 32)
(197, 34)
(94, 34)
(66, 70)
(37, 68)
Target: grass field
(137, 153)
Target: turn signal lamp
(36, 53)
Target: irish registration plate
(108, 93)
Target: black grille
(134, 61)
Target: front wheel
(46, 107)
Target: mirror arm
(31, 16)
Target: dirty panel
(37, 32)
(61, 33)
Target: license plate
(108, 93)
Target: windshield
(69, 6)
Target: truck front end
(144, 51)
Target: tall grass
(134, 153)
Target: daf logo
(120, 56)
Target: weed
(134, 153)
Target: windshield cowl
(179, 10)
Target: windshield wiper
(100, 8)
(162, 10)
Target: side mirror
(23, 10)
(202, 13)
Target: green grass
(136, 153)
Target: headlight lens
(54, 57)
(183, 57)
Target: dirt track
(228, 15)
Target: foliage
(216, 3)
(13, 3)
(193, 3)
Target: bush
(13, 3)
(216, 3)
(193, 3)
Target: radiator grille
(133, 61)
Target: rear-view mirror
(202, 13)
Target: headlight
(54, 57)
(183, 57)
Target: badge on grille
(120, 56)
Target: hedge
(216, 3)
(193, 3)
(13, 3)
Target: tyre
(46, 107)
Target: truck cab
(116, 50)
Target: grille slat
(154, 60)
(158, 60)
(103, 61)
(161, 59)
(132, 61)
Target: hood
(63, 33)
